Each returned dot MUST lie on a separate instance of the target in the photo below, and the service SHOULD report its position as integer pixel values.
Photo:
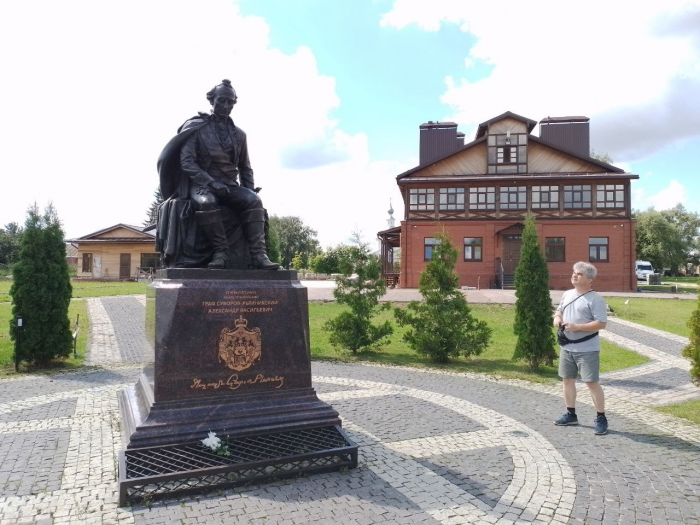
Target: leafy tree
(333, 259)
(294, 236)
(442, 325)
(360, 287)
(41, 289)
(152, 214)
(272, 241)
(688, 224)
(601, 156)
(692, 351)
(533, 306)
(10, 237)
(298, 261)
(660, 241)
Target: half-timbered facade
(120, 252)
(482, 191)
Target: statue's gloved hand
(219, 189)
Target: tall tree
(294, 237)
(688, 224)
(359, 287)
(152, 214)
(41, 289)
(442, 325)
(660, 241)
(533, 306)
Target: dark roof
(431, 124)
(564, 119)
(466, 146)
(520, 177)
(590, 160)
(483, 127)
(117, 240)
(136, 229)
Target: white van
(642, 269)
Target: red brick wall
(615, 275)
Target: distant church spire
(390, 221)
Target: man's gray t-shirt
(584, 309)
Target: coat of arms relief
(239, 349)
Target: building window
(578, 196)
(545, 197)
(507, 155)
(451, 198)
(422, 199)
(482, 198)
(87, 262)
(472, 248)
(513, 198)
(429, 244)
(554, 249)
(150, 260)
(610, 196)
(598, 249)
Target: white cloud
(633, 67)
(673, 194)
(93, 91)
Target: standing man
(579, 316)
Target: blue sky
(331, 95)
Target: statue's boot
(254, 229)
(212, 224)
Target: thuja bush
(442, 325)
(41, 290)
(692, 351)
(360, 286)
(533, 306)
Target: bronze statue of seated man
(199, 173)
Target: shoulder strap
(577, 298)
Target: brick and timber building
(481, 192)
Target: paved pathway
(436, 447)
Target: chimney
(568, 133)
(438, 139)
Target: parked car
(642, 269)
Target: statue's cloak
(179, 241)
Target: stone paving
(435, 447)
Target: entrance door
(511, 253)
(124, 265)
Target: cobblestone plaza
(435, 447)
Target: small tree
(152, 213)
(442, 325)
(298, 261)
(533, 306)
(41, 290)
(360, 287)
(692, 351)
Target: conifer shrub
(360, 286)
(442, 325)
(533, 306)
(41, 290)
(692, 351)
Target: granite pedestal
(232, 356)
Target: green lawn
(495, 360)
(682, 280)
(87, 288)
(689, 410)
(7, 365)
(671, 315)
(668, 288)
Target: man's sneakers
(567, 419)
(600, 427)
